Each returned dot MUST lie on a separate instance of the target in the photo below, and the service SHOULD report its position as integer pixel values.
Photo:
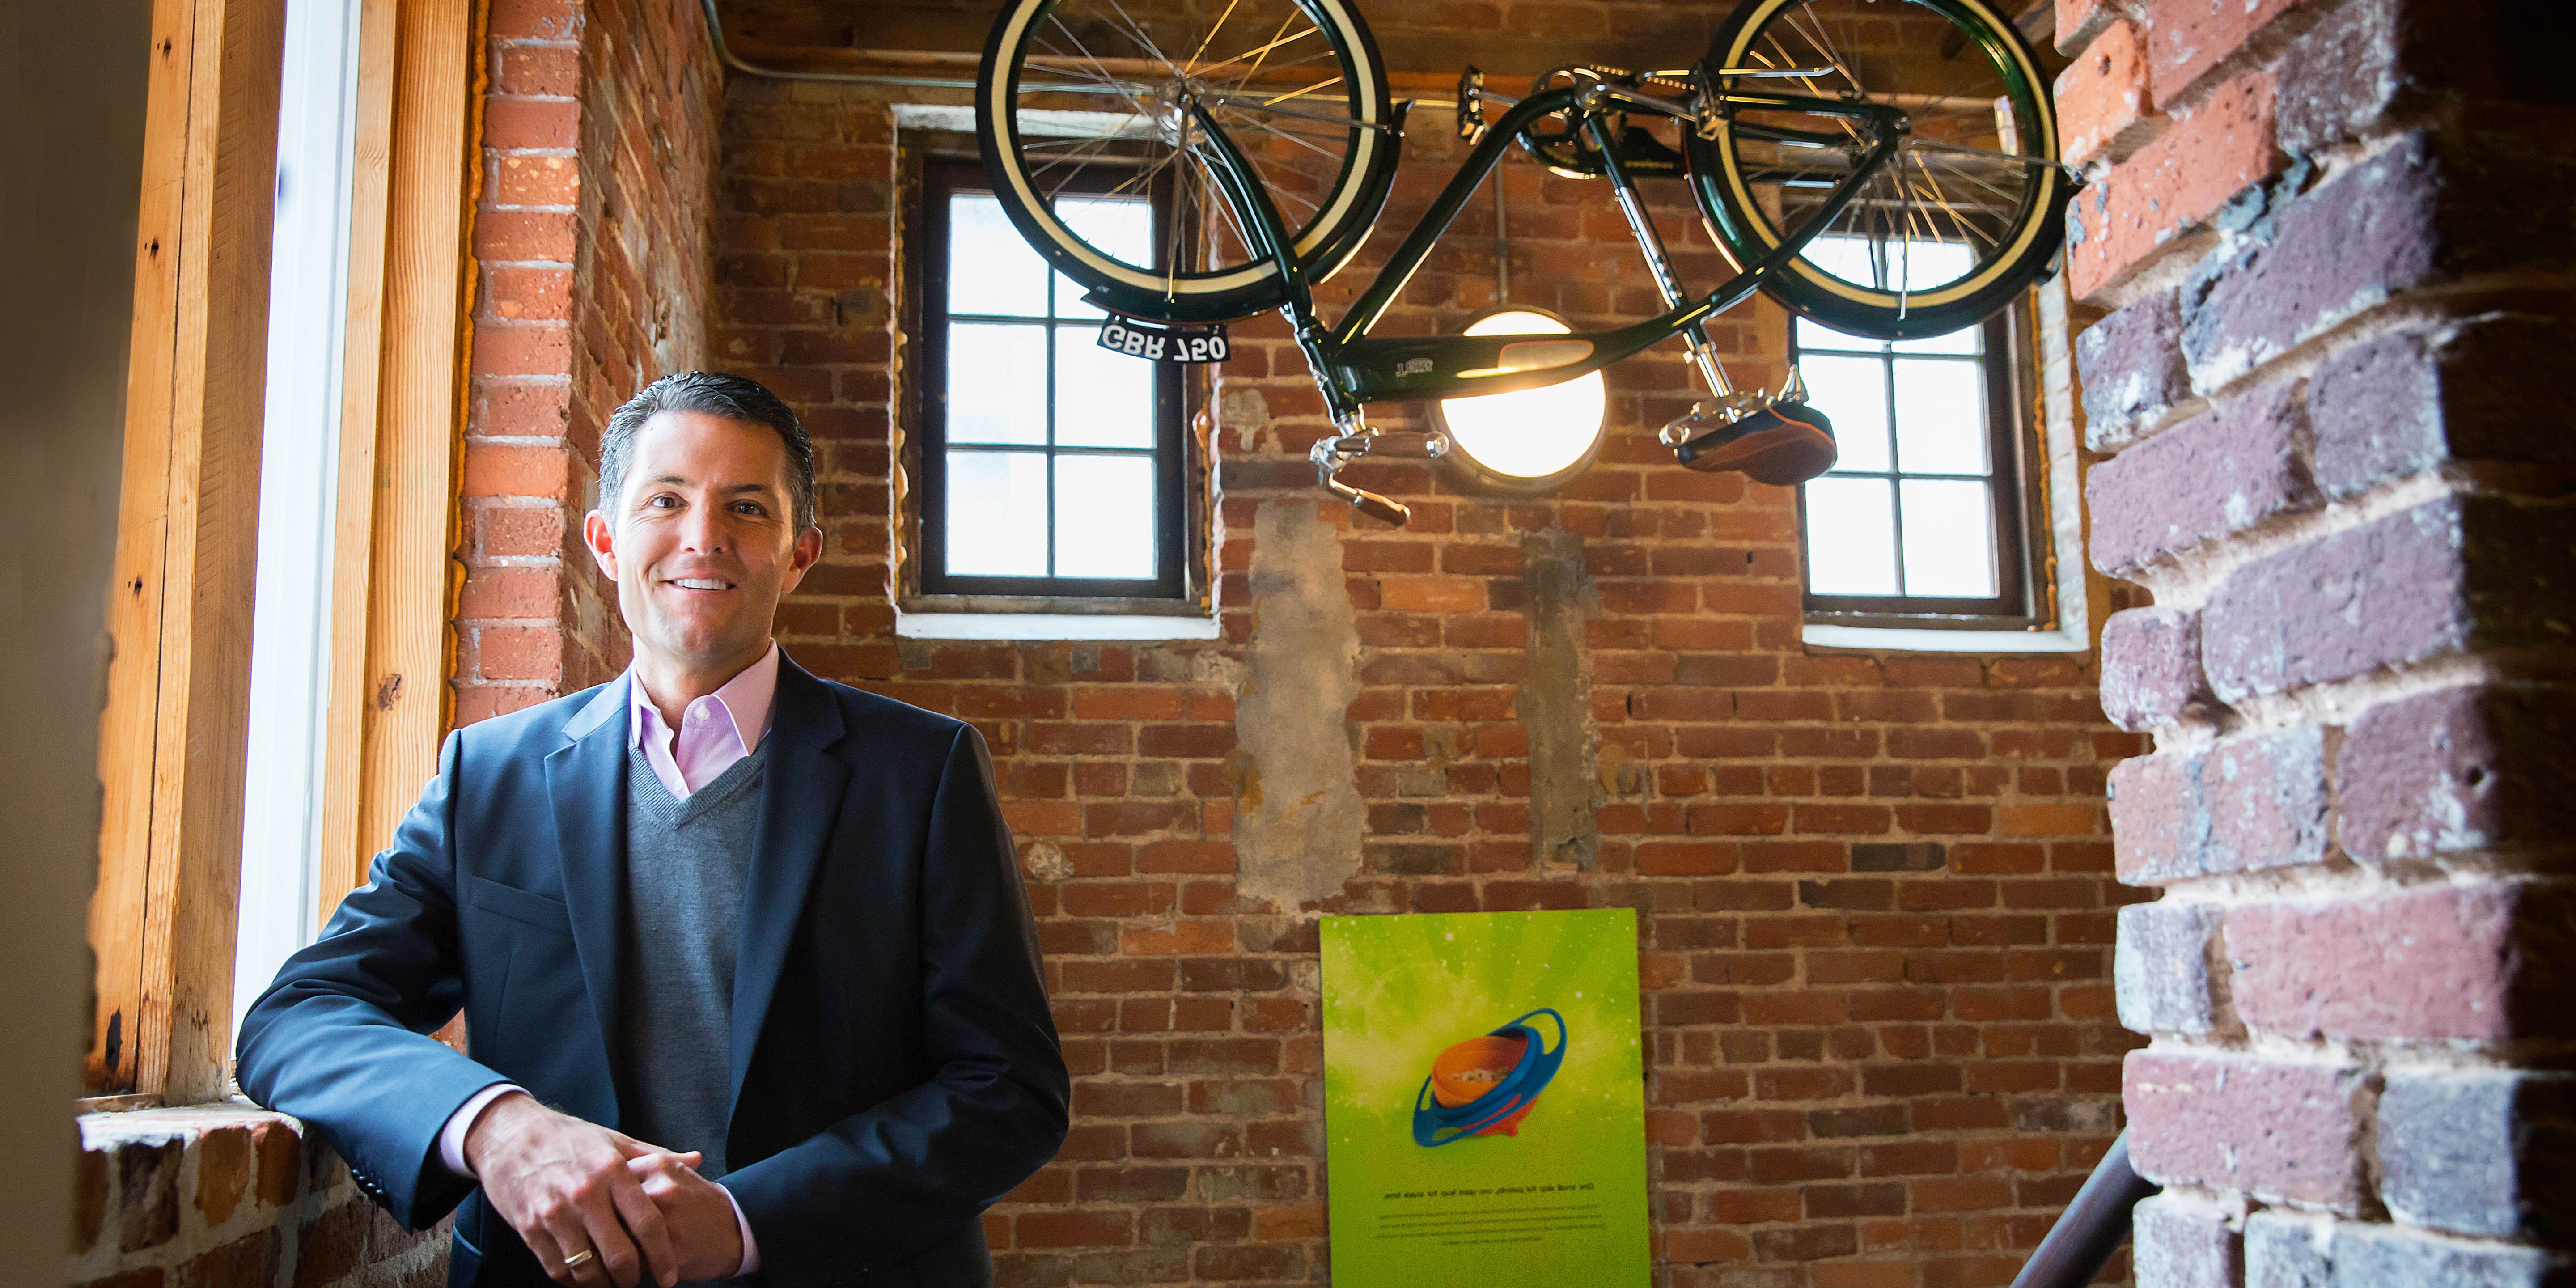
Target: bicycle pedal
(1471, 103)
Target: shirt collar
(746, 699)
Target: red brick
(518, 653)
(531, 123)
(2398, 590)
(2081, 22)
(2213, 476)
(2273, 1128)
(2457, 769)
(2246, 803)
(2171, 185)
(533, 183)
(2102, 98)
(2151, 672)
(523, 236)
(522, 350)
(496, 470)
(2457, 962)
(2189, 37)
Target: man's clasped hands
(569, 1186)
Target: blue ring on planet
(1435, 1124)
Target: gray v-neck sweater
(686, 864)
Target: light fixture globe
(1532, 440)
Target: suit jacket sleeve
(880, 1185)
(341, 1041)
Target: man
(750, 983)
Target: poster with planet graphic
(1484, 1100)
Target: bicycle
(1836, 167)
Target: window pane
(1927, 264)
(1940, 417)
(1949, 539)
(997, 385)
(1852, 393)
(1964, 340)
(991, 268)
(1816, 335)
(997, 510)
(1851, 537)
(1102, 399)
(1120, 226)
(1104, 518)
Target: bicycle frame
(1353, 368)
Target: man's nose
(702, 529)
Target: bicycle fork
(1353, 438)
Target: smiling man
(750, 984)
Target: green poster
(1484, 1100)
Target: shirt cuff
(750, 1248)
(451, 1138)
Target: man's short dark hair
(713, 393)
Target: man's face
(702, 541)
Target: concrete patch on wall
(1556, 705)
(1298, 815)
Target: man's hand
(697, 1212)
(564, 1185)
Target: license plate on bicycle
(1164, 343)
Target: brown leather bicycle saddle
(1783, 444)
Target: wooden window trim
(1186, 392)
(173, 738)
(2026, 598)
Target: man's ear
(808, 552)
(602, 540)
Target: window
(1926, 519)
(1049, 466)
(290, 665)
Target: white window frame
(299, 459)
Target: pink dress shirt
(715, 731)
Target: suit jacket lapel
(800, 799)
(586, 779)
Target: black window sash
(943, 178)
(2007, 492)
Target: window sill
(1887, 639)
(1053, 626)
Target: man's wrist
(489, 1121)
(742, 1225)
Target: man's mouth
(700, 583)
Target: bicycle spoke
(1204, 41)
(1301, 93)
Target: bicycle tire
(2029, 225)
(1212, 290)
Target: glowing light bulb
(1532, 435)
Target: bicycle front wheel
(1085, 112)
(1952, 227)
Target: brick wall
(1875, 892)
(593, 238)
(593, 235)
(228, 1196)
(2321, 227)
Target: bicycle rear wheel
(1083, 108)
(1953, 227)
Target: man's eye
(664, 501)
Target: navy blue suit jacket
(895, 1068)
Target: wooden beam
(395, 576)
(173, 738)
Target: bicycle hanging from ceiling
(1886, 167)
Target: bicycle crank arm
(1371, 504)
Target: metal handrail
(2091, 1228)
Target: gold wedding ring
(579, 1258)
